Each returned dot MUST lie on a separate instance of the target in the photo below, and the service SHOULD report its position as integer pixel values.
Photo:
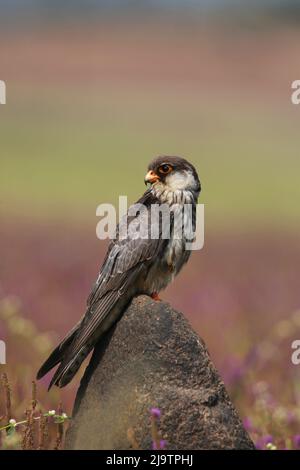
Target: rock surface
(153, 358)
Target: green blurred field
(79, 129)
(63, 160)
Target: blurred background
(95, 90)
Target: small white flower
(271, 446)
(13, 422)
(64, 416)
(51, 412)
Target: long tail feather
(57, 355)
(67, 369)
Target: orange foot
(155, 296)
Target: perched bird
(133, 265)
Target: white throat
(177, 188)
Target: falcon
(134, 264)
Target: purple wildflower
(263, 441)
(296, 440)
(248, 424)
(162, 445)
(155, 412)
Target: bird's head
(173, 175)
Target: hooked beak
(151, 177)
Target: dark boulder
(153, 358)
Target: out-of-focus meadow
(88, 105)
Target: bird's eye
(164, 169)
